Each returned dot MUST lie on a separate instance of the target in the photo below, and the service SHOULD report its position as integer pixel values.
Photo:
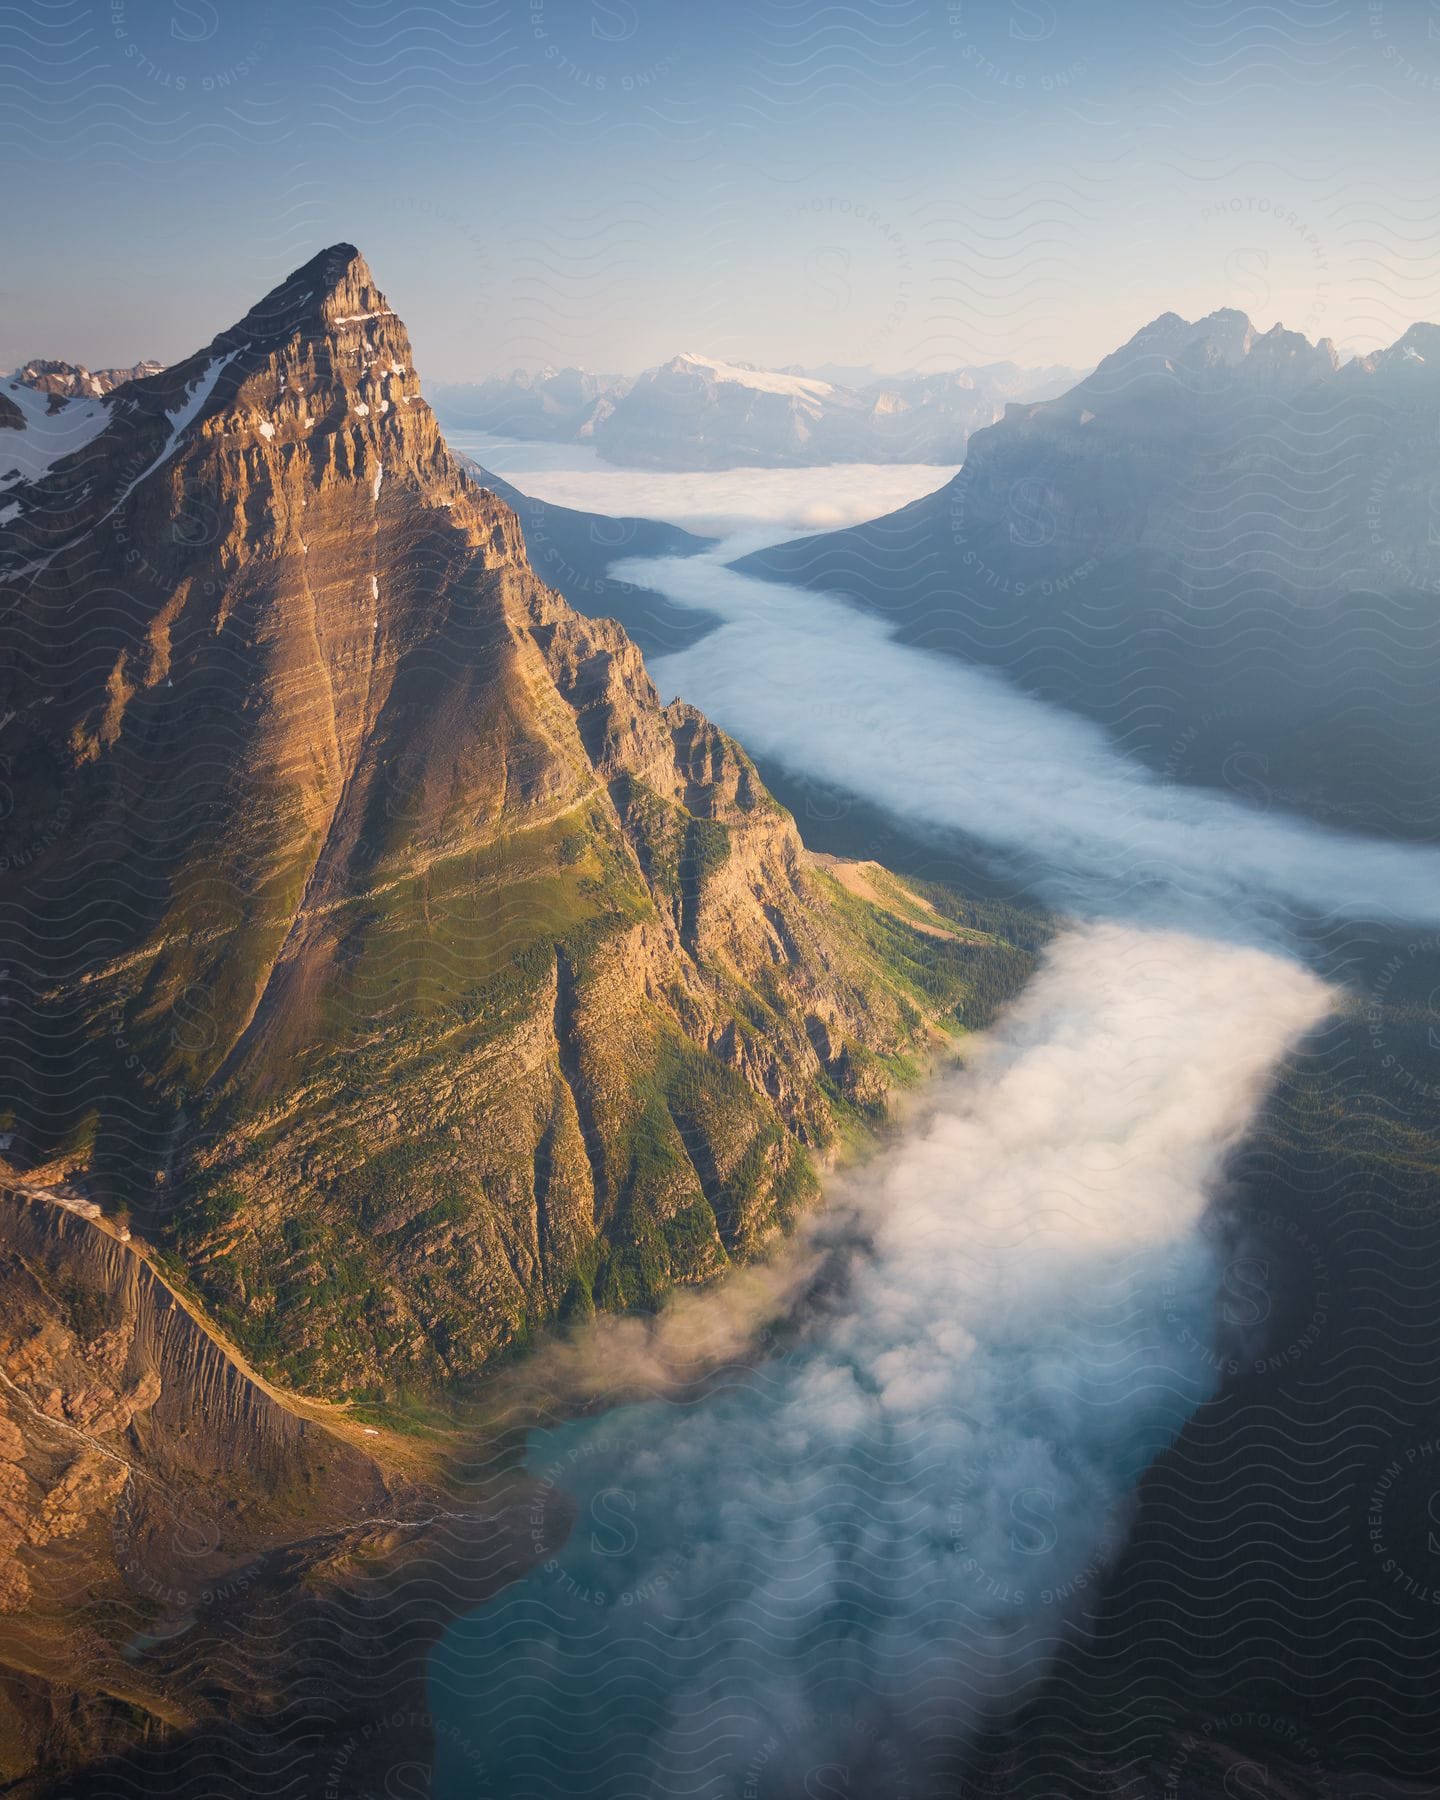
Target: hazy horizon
(837, 373)
(900, 184)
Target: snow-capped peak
(764, 381)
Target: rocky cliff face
(381, 939)
(144, 1475)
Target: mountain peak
(1227, 328)
(1421, 343)
(339, 774)
(1228, 333)
(321, 367)
(740, 374)
(1222, 344)
(334, 289)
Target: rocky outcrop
(145, 1476)
(98, 1349)
(575, 552)
(382, 942)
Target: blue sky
(888, 182)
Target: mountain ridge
(1219, 544)
(414, 972)
(74, 380)
(697, 411)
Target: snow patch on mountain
(43, 436)
(763, 381)
(181, 417)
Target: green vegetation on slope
(428, 1197)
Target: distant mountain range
(698, 412)
(74, 380)
(1223, 543)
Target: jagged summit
(1221, 352)
(334, 289)
(1227, 327)
(1228, 339)
(322, 365)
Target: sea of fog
(773, 503)
(819, 1576)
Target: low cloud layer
(773, 503)
(820, 1575)
(840, 1561)
(827, 691)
